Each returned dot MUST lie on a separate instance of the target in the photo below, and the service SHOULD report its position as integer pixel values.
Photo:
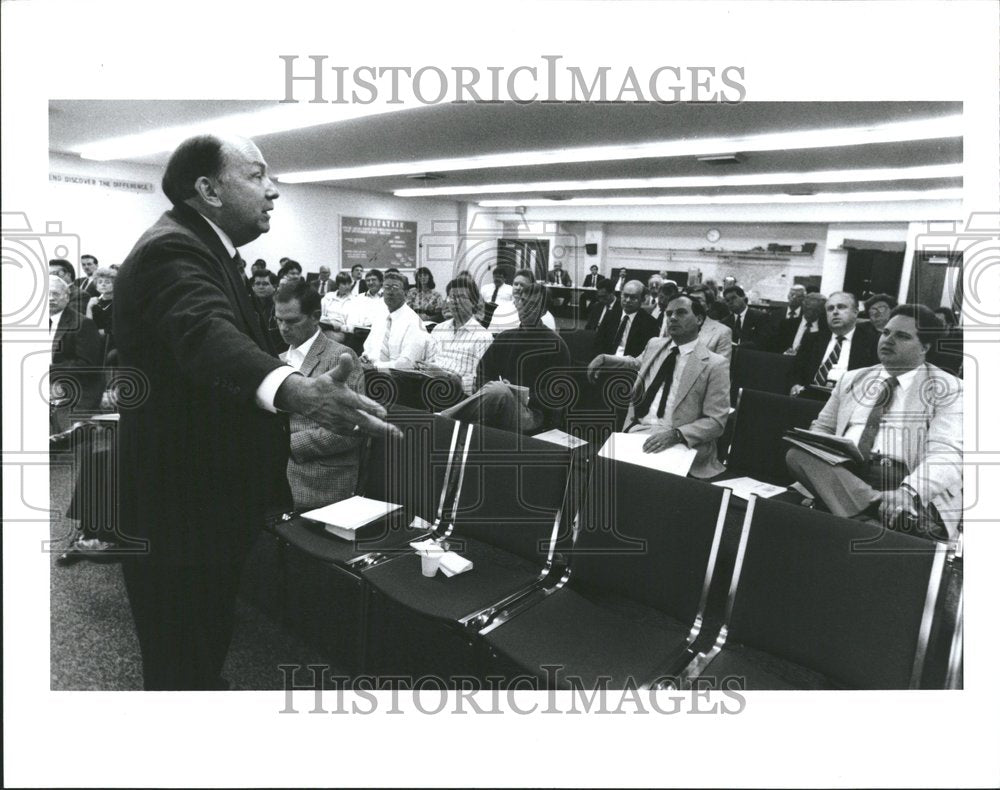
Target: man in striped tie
(399, 339)
(905, 416)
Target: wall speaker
(591, 249)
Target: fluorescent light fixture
(903, 131)
(278, 118)
(696, 182)
(708, 200)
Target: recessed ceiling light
(705, 200)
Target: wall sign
(377, 243)
(146, 187)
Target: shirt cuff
(269, 387)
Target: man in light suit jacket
(682, 393)
(323, 464)
(905, 416)
(716, 336)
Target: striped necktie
(887, 389)
(828, 364)
(384, 353)
(662, 379)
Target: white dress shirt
(297, 355)
(335, 308)
(505, 293)
(800, 333)
(365, 311)
(651, 421)
(407, 340)
(840, 368)
(630, 317)
(268, 388)
(888, 440)
(459, 349)
(54, 319)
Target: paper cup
(429, 563)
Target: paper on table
(453, 564)
(563, 439)
(744, 487)
(627, 447)
(351, 513)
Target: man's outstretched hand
(329, 401)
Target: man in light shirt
(714, 334)
(322, 464)
(499, 291)
(399, 339)
(905, 417)
(369, 308)
(682, 392)
(459, 343)
(809, 320)
(336, 304)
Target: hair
(308, 297)
(288, 266)
(658, 278)
(92, 257)
(466, 282)
(701, 289)
(734, 289)
(196, 157)
(605, 285)
(594, 266)
(874, 299)
(66, 266)
(430, 278)
(105, 271)
(700, 310)
(525, 273)
(536, 293)
(854, 299)
(929, 326)
(343, 278)
(948, 315)
(375, 273)
(396, 277)
(259, 262)
(271, 276)
(357, 266)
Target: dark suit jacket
(644, 327)
(591, 280)
(200, 462)
(864, 352)
(594, 316)
(559, 278)
(77, 356)
(757, 330)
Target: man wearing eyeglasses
(399, 339)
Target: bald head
(58, 294)
(632, 293)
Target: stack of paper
(344, 518)
(627, 447)
(825, 446)
(563, 439)
(744, 487)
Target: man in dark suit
(360, 286)
(323, 284)
(752, 328)
(810, 317)
(825, 356)
(605, 303)
(75, 378)
(203, 447)
(323, 466)
(627, 329)
(86, 284)
(590, 281)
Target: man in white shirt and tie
(324, 284)
(810, 321)
(399, 340)
(499, 291)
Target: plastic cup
(429, 563)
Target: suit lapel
(315, 353)
(692, 369)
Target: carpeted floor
(92, 640)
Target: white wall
(304, 224)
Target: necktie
(887, 389)
(663, 324)
(384, 353)
(737, 329)
(238, 263)
(663, 378)
(621, 333)
(496, 290)
(828, 364)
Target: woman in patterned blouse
(423, 299)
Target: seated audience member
(682, 393)
(99, 307)
(558, 276)
(667, 291)
(264, 285)
(627, 330)
(717, 309)
(499, 291)
(323, 284)
(653, 286)
(368, 308)
(793, 310)
(359, 284)
(290, 270)
(508, 386)
(336, 303)
(322, 465)
(752, 328)
(592, 279)
(259, 265)
(715, 335)
(506, 316)
(824, 357)
(729, 281)
(812, 319)
(605, 303)
(905, 416)
(85, 285)
(423, 298)
(406, 280)
(948, 352)
(619, 282)
(398, 339)
(76, 381)
(63, 269)
(458, 344)
(877, 309)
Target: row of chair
(590, 572)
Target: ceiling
(451, 130)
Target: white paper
(453, 564)
(563, 439)
(351, 513)
(110, 417)
(627, 447)
(744, 487)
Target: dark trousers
(184, 618)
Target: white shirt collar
(847, 335)
(685, 349)
(904, 379)
(55, 318)
(303, 348)
(223, 237)
(743, 315)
